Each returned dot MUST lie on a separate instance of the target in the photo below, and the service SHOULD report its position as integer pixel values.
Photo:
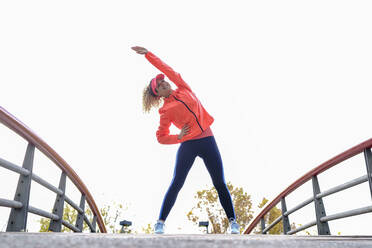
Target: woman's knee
(177, 185)
(220, 185)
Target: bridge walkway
(99, 240)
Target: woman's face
(163, 88)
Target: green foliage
(148, 229)
(111, 215)
(208, 202)
(273, 214)
(44, 224)
(69, 215)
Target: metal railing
(20, 205)
(321, 219)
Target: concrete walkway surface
(96, 240)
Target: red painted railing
(21, 129)
(325, 166)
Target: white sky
(288, 83)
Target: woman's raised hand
(185, 130)
(140, 50)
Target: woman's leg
(184, 160)
(212, 159)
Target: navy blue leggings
(207, 149)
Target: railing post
(263, 225)
(94, 224)
(18, 217)
(286, 225)
(56, 225)
(323, 228)
(368, 158)
(80, 216)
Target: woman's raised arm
(140, 50)
(175, 77)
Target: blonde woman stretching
(182, 108)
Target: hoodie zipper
(191, 112)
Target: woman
(182, 108)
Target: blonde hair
(149, 101)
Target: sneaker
(159, 227)
(234, 226)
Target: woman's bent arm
(162, 134)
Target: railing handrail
(21, 129)
(314, 172)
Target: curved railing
(322, 219)
(20, 204)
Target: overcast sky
(288, 83)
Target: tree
(208, 202)
(69, 215)
(148, 229)
(273, 214)
(110, 215)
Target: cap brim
(160, 76)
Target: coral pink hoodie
(180, 108)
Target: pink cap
(153, 82)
